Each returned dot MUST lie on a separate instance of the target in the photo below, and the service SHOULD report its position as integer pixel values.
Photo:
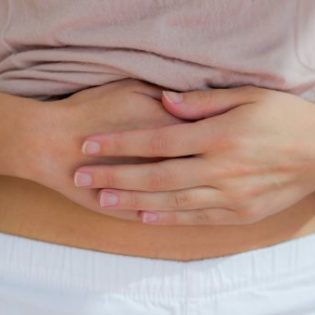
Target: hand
(253, 158)
(50, 142)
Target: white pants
(38, 278)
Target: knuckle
(169, 218)
(224, 141)
(201, 217)
(248, 216)
(182, 200)
(249, 192)
(247, 209)
(243, 197)
(134, 200)
(236, 142)
(159, 144)
(158, 178)
(238, 202)
(229, 143)
(110, 178)
(115, 143)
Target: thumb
(203, 104)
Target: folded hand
(246, 153)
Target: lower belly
(34, 211)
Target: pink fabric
(55, 47)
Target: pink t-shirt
(56, 47)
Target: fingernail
(82, 179)
(173, 97)
(108, 199)
(91, 147)
(148, 217)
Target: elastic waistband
(66, 268)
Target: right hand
(52, 141)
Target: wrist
(17, 116)
(307, 139)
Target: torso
(36, 212)
(88, 39)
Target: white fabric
(38, 278)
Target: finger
(210, 216)
(88, 200)
(203, 104)
(172, 174)
(188, 199)
(169, 141)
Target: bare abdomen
(36, 212)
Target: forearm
(15, 114)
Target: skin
(238, 161)
(34, 132)
(48, 135)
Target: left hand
(250, 154)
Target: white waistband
(65, 268)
